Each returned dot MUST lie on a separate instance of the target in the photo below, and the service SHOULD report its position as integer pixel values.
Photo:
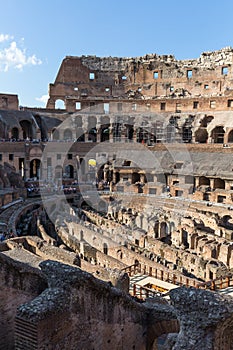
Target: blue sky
(35, 36)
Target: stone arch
(201, 135)
(104, 132)
(187, 134)
(163, 229)
(35, 168)
(79, 122)
(80, 135)
(82, 166)
(156, 229)
(204, 181)
(105, 248)
(92, 122)
(217, 134)
(92, 135)
(68, 171)
(27, 129)
(117, 176)
(105, 129)
(129, 131)
(142, 135)
(135, 178)
(116, 131)
(42, 125)
(15, 133)
(67, 134)
(160, 328)
(230, 137)
(219, 183)
(59, 104)
(55, 134)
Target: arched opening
(92, 135)
(82, 166)
(117, 176)
(27, 129)
(91, 122)
(217, 134)
(55, 134)
(156, 230)
(171, 130)
(35, 168)
(152, 136)
(79, 122)
(59, 104)
(142, 135)
(163, 229)
(219, 183)
(230, 136)
(201, 135)
(160, 331)
(116, 132)
(104, 133)
(69, 171)
(129, 132)
(187, 134)
(67, 135)
(204, 181)
(14, 133)
(80, 135)
(135, 178)
(105, 248)
(43, 127)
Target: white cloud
(43, 99)
(13, 56)
(5, 37)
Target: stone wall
(19, 283)
(85, 313)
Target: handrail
(162, 275)
(218, 283)
(144, 292)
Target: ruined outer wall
(9, 101)
(91, 78)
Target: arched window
(15, 133)
(27, 129)
(35, 168)
(204, 181)
(59, 104)
(69, 171)
(201, 135)
(67, 135)
(230, 136)
(217, 134)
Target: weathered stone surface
(203, 316)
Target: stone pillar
(197, 182)
(135, 134)
(98, 134)
(111, 133)
(212, 184)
